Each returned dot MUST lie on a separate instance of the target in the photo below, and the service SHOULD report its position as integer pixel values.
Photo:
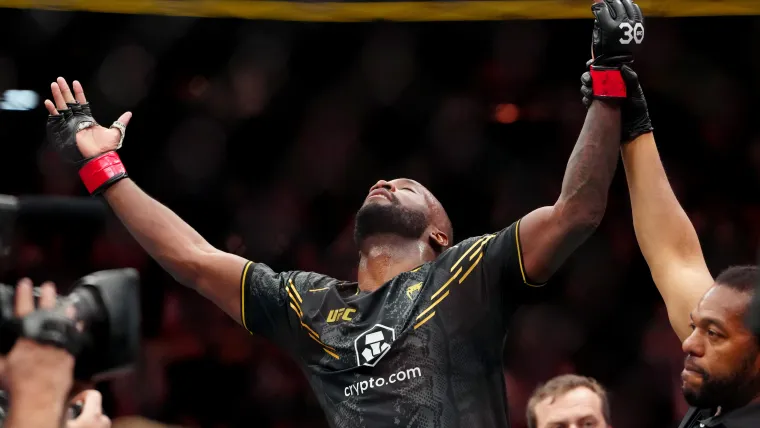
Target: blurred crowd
(266, 136)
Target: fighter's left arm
(548, 235)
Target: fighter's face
(721, 366)
(397, 207)
(580, 407)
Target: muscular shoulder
(497, 254)
(474, 247)
(267, 296)
(261, 275)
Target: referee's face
(722, 363)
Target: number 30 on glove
(618, 30)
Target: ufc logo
(632, 33)
(342, 314)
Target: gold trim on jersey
(478, 247)
(440, 299)
(290, 288)
(298, 311)
(480, 256)
(293, 287)
(242, 296)
(427, 318)
(466, 253)
(453, 277)
(318, 289)
(482, 244)
(332, 354)
(520, 259)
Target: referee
(417, 340)
(721, 376)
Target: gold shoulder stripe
(314, 290)
(293, 287)
(519, 257)
(313, 334)
(466, 253)
(298, 311)
(427, 318)
(332, 354)
(482, 244)
(292, 299)
(429, 308)
(443, 287)
(242, 295)
(314, 337)
(303, 324)
(475, 263)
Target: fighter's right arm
(665, 234)
(167, 238)
(178, 248)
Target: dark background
(266, 136)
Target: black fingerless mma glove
(62, 130)
(634, 111)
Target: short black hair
(743, 279)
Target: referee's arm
(665, 234)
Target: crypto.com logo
(373, 344)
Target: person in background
(40, 376)
(569, 401)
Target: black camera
(106, 303)
(107, 306)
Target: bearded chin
(729, 393)
(388, 219)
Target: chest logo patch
(413, 290)
(373, 344)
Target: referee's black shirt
(744, 417)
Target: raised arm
(178, 248)
(548, 235)
(666, 236)
(168, 239)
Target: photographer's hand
(39, 376)
(92, 412)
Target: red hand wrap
(101, 170)
(608, 83)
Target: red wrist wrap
(104, 169)
(608, 83)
